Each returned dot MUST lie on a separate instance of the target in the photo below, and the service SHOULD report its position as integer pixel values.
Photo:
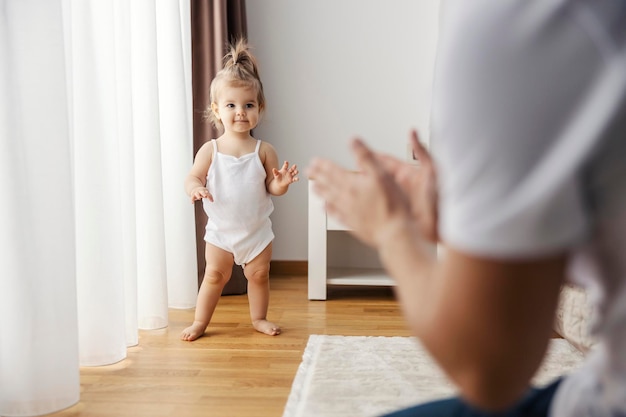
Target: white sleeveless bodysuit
(239, 216)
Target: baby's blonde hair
(239, 69)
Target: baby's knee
(258, 275)
(216, 277)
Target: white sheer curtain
(97, 237)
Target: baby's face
(237, 108)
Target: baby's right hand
(199, 193)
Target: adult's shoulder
(510, 80)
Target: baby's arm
(195, 182)
(278, 180)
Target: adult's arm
(486, 322)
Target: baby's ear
(215, 110)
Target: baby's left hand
(286, 175)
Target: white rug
(360, 376)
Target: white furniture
(320, 273)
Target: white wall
(332, 70)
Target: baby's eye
(230, 105)
(250, 106)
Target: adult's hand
(369, 201)
(419, 183)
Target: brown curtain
(213, 24)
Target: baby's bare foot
(266, 327)
(193, 332)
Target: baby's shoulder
(207, 147)
(265, 147)
(205, 153)
(267, 154)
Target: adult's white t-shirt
(529, 133)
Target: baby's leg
(257, 272)
(219, 267)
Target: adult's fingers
(326, 175)
(419, 151)
(365, 158)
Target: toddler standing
(234, 176)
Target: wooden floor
(235, 371)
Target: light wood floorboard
(234, 371)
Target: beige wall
(332, 70)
